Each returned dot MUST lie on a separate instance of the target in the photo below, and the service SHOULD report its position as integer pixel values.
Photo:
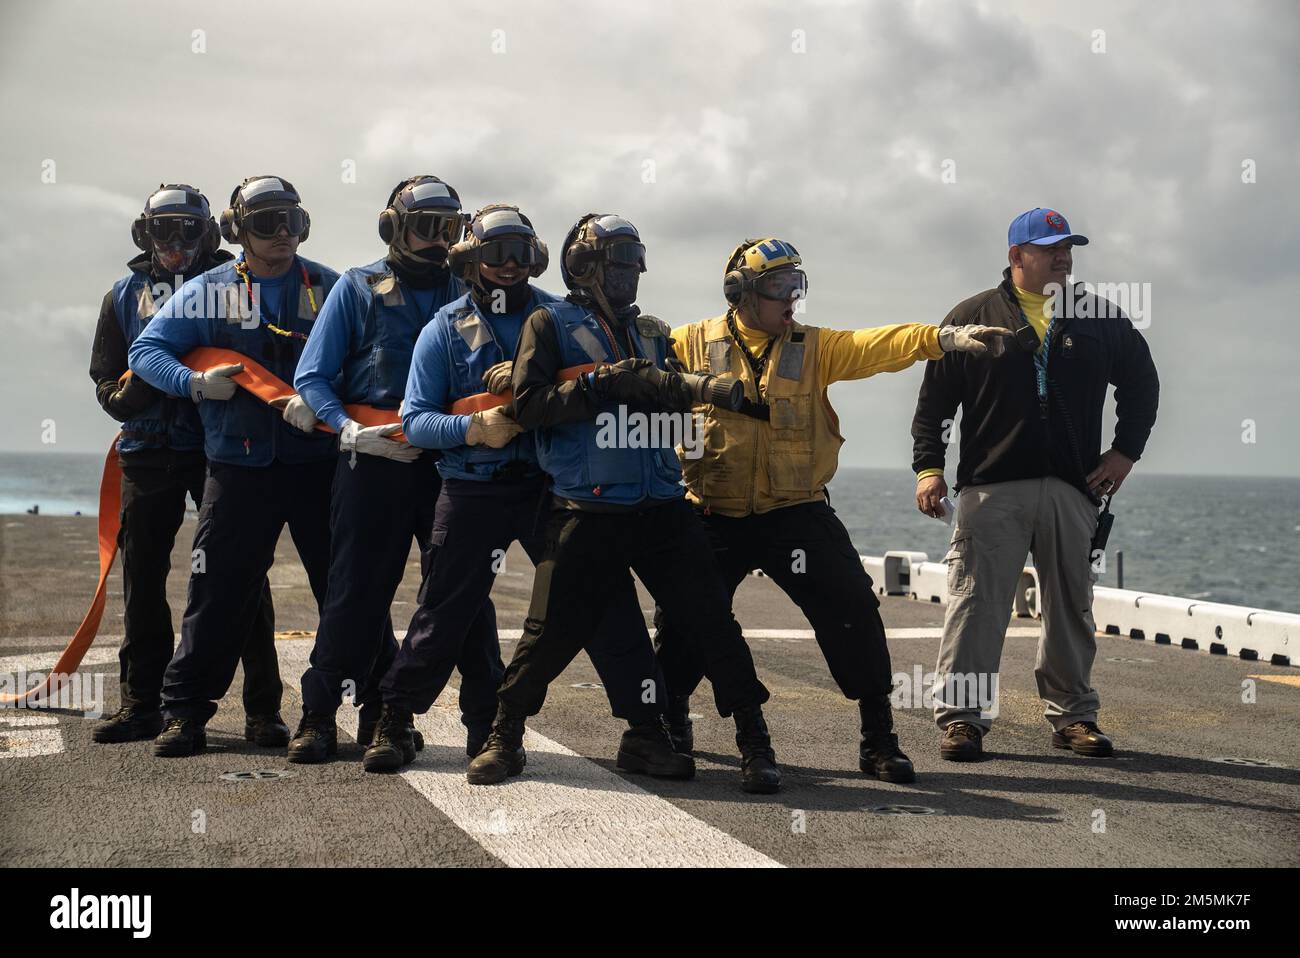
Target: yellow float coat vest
(749, 465)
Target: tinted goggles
(626, 254)
(430, 225)
(499, 252)
(162, 229)
(782, 284)
(268, 222)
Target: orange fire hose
(265, 386)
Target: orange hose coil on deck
(265, 386)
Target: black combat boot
(647, 747)
(879, 754)
(758, 771)
(180, 737)
(392, 746)
(268, 731)
(680, 727)
(368, 721)
(129, 724)
(502, 755)
(316, 740)
(475, 738)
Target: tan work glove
(491, 428)
(296, 412)
(497, 379)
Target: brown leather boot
(962, 742)
(1084, 738)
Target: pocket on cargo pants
(961, 565)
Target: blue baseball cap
(1042, 227)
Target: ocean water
(1216, 538)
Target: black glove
(629, 381)
(134, 396)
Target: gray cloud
(839, 149)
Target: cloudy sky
(891, 142)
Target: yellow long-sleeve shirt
(855, 353)
(841, 355)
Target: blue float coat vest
(375, 373)
(169, 422)
(242, 430)
(472, 348)
(581, 469)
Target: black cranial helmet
(176, 226)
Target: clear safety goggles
(267, 223)
(782, 284)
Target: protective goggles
(782, 284)
(499, 252)
(162, 229)
(626, 254)
(430, 225)
(268, 222)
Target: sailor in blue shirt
(262, 471)
(618, 502)
(492, 491)
(161, 454)
(359, 352)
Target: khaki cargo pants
(997, 525)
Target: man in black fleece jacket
(1032, 471)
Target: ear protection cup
(307, 229)
(212, 238)
(387, 226)
(734, 283)
(229, 227)
(734, 287)
(543, 259)
(138, 236)
(579, 259)
(388, 217)
(461, 258)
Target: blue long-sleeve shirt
(240, 430)
(177, 328)
(430, 390)
(361, 340)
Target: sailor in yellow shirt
(759, 482)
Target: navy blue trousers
(244, 510)
(474, 525)
(378, 507)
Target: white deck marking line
(564, 811)
(925, 632)
(28, 736)
(41, 661)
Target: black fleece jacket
(1006, 433)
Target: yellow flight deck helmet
(764, 267)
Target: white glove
(296, 412)
(491, 428)
(974, 339)
(216, 383)
(497, 379)
(373, 441)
